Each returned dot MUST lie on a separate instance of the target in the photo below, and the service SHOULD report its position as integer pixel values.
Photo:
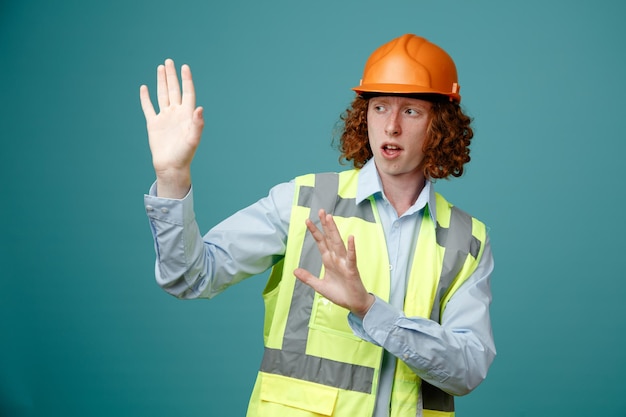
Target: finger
(162, 95)
(307, 278)
(173, 88)
(318, 236)
(331, 232)
(329, 226)
(351, 252)
(146, 103)
(197, 124)
(189, 92)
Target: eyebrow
(406, 101)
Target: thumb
(306, 277)
(198, 117)
(197, 123)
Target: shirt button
(390, 267)
(149, 208)
(405, 356)
(165, 210)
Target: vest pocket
(330, 318)
(308, 398)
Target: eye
(412, 112)
(379, 108)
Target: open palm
(174, 133)
(341, 282)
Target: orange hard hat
(410, 64)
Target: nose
(392, 124)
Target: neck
(402, 192)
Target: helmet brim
(403, 89)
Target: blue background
(86, 331)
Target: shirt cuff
(377, 323)
(170, 210)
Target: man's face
(397, 130)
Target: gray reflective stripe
(344, 207)
(292, 360)
(319, 370)
(297, 330)
(458, 242)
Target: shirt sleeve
(454, 355)
(189, 265)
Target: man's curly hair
(446, 149)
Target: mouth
(390, 150)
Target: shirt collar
(369, 185)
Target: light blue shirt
(454, 355)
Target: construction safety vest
(313, 364)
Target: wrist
(173, 185)
(362, 311)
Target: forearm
(454, 355)
(451, 359)
(193, 266)
(455, 360)
(181, 266)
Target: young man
(378, 299)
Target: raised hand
(174, 133)
(341, 282)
